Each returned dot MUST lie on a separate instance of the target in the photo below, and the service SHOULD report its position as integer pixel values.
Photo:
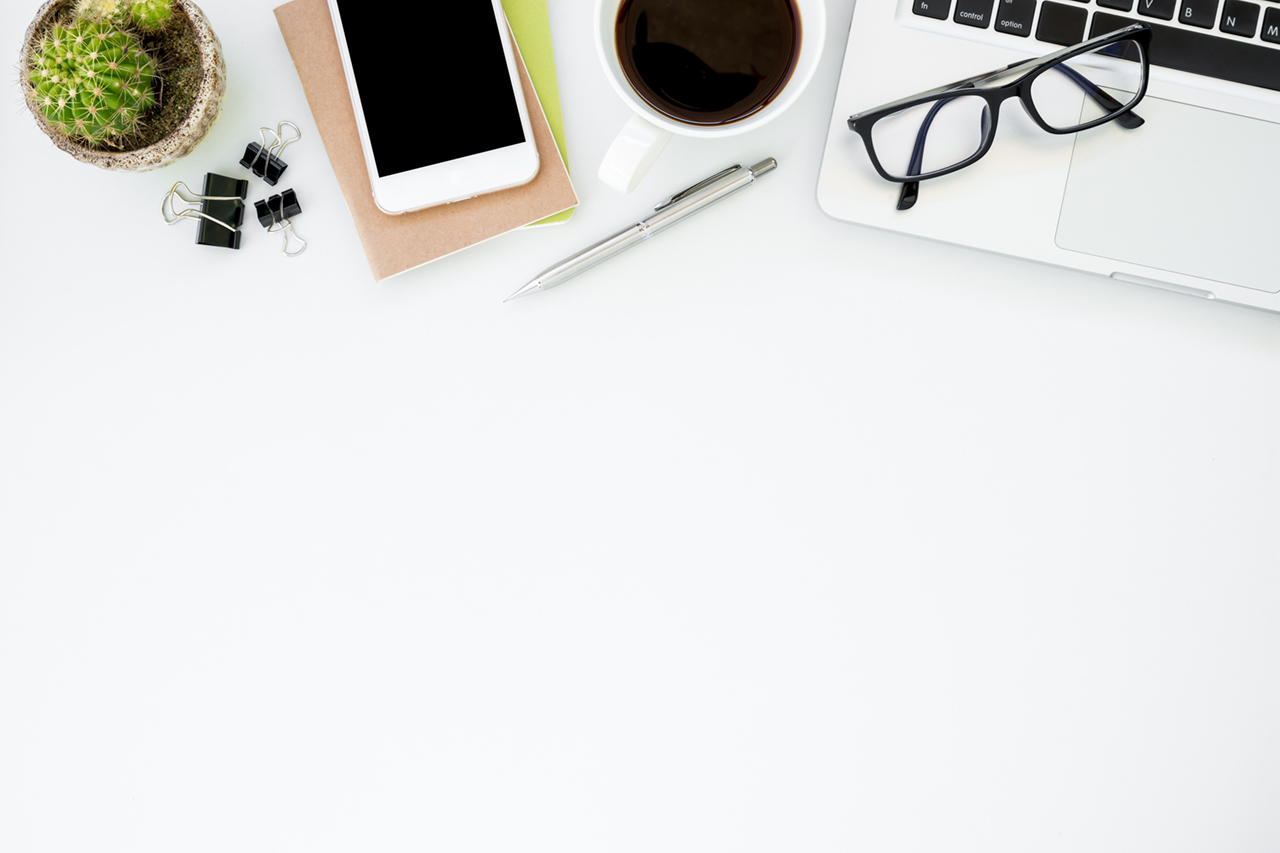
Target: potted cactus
(123, 84)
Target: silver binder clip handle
(180, 190)
(282, 142)
(285, 227)
(264, 150)
(280, 225)
(279, 142)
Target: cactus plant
(150, 15)
(91, 80)
(124, 116)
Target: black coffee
(708, 61)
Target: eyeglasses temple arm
(910, 192)
(909, 195)
(911, 189)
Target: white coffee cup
(644, 136)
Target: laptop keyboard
(1213, 38)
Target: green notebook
(532, 28)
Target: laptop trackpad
(1192, 191)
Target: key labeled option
(1014, 16)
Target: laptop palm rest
(1192, 191)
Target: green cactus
(150, 15)
(91, 80)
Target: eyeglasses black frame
(862, 123)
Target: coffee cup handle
(632, 153)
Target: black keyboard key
(1014, 16)
(1199, 13)
(1157, 8)
(1271, 26)
(1239, 18)
(932, 8)
(1210, 55)
(1122, 5)
(973, 13)
(1061, 24)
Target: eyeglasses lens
(930, 137)
(1089, 87)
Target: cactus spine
(91, 80)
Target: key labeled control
(973, 13)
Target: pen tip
(528, 288)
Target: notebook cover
(394, 244)
(532, 27)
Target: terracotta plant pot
(200, 118)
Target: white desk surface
(773, 534)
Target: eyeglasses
(1062, 92)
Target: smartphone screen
(433, 80)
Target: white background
(773, 534)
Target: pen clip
(693, 189)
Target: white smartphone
(437, 98)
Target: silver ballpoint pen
(667, 213)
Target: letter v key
(1163, 9)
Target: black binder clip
(276, 214)
(263, 159)
(220, 211)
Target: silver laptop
(1189, 201)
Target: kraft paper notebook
(395, 244)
